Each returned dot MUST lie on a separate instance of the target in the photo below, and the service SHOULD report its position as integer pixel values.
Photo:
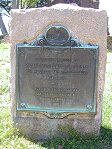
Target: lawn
(11, 139)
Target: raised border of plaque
(63, 74)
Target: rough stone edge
(100, 77)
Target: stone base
(41, 128)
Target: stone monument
(58, 57)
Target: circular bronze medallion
(57, 35)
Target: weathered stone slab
(90, 26)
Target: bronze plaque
(57, 35)
(56, 81)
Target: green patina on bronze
(56, 74)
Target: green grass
(11, 139)
(107, 102)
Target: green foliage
(77, 141)
(29, 3)
(32, 3)
(107, 102)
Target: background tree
(34, 3)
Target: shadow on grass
(103, 141)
